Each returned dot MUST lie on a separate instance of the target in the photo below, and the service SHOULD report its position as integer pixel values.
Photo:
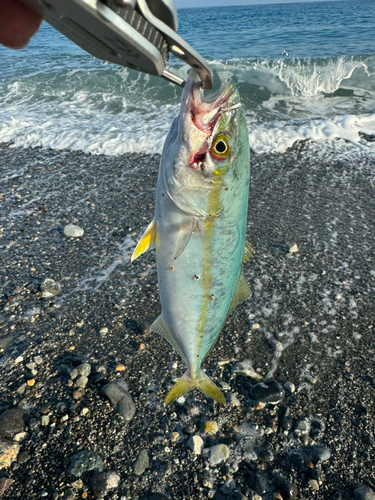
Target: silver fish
(199, 228)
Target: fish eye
(220, 147)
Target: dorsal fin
(241, 292)
(248, 252)
(146, 242)
(159, 326)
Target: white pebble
(195, 443)
(73, 231)
(289, 386)
(113, 480)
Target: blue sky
(216, 3)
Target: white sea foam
(112, 111)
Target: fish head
(207, 145)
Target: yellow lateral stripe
(213, 208)
(148, 239)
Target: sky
(216, 3)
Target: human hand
(17, 24)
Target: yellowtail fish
(199, 228)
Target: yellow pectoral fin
(147, 241)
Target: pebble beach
(82, 379)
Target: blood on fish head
(204, 142)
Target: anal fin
(241, 292)
(147, 241)
(159, 326)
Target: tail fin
(203, 383)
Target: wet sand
(310, 321)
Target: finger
(17, 24)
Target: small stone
(5, 341)
(20, 437)
(293, 248)
(5, 482)
(143, 328)
(237, 495)
(290, 387)
(21, 389)
(84, 411)
(287, 423)
(13, 421)
(38, 360)
(8, 452)
(23, 457)
(181, 400)
(18, 360)
(210, 426)
(84, 461)
(258, 483)
(120, 368)
(302, 427)
(69, 494)
(232, 399)
(175, 436)
(320, 453)
(31, 366)
(364, 493)
(77, 485)
(31, 382)
(44, 420)
(98, 483)
(195, 443)
(267, 392)
(84, 369)
(264, 455)
(120, 399)
(142, 463)
(287, 489)
(218, 453)
(82, 381)
(113, 480)
(50, 288)
(73, 231)
(247, 428)
(245, 367)
(313, 484)
(77, 394)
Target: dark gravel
(310, 321)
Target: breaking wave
(93, 106)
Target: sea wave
(103, 109)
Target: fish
(199, 228)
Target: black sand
(311, 318)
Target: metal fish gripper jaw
(139, 34)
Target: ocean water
(306, 71)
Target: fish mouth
(206, 110)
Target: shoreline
(310, 321)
